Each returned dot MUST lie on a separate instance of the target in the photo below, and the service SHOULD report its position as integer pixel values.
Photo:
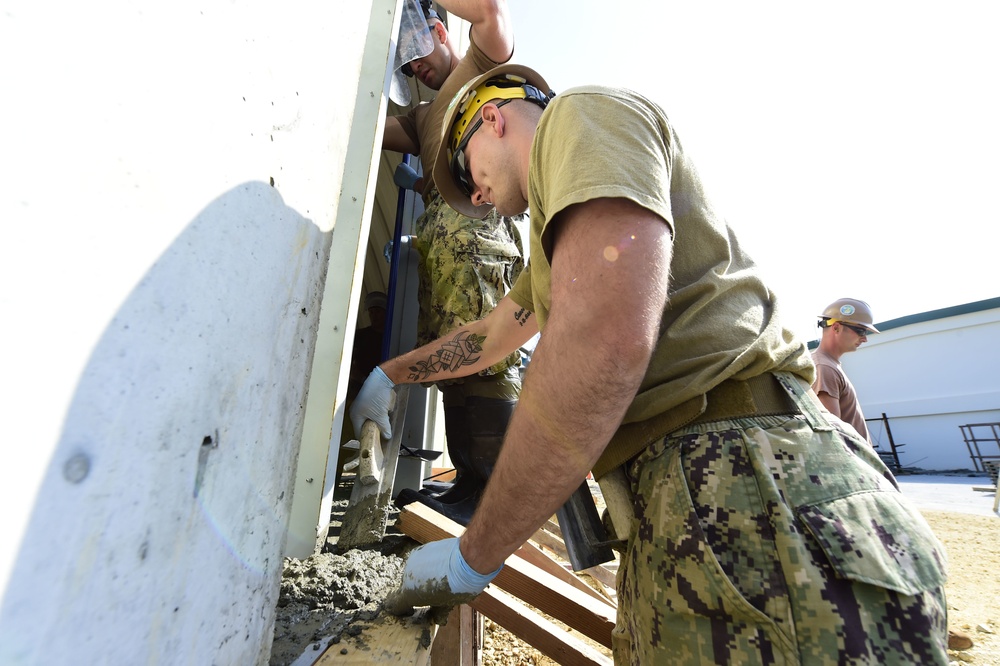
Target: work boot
(460, 511)
(475, 435)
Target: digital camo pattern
(768, 541)
(466, 267)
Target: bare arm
(395, 139)
(491, 27)
(466, 350)
(609, 286)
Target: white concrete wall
(929, 378)
(324, 414)
(171, 176)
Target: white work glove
(373, 403)
(405, 176)
(437, 575)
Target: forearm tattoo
(463, 349)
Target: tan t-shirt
(423, 123)
(831, 379)
(721, 321)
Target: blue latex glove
(404, 242)
(437, 575)
(373, 403)
(405, 176)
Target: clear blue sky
(854, 147)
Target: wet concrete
(333, 596)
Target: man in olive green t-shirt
(758, 532)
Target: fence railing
(885, 445)
(985, 434)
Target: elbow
(487, 12)
(622, 360)
(491, 7)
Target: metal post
(394, 268)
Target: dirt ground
(323, 596)
(973, 587)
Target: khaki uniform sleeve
(520, 293)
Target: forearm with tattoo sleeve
(466, 350)
(610, 265)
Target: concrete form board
(319, 451)
(169, 197)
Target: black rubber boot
(460, 511)
(475, 435)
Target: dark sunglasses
(459, 168)
(861, 331)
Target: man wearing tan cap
(846, 324)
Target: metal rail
(973, 435)
(888, 453)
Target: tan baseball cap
(506, 82)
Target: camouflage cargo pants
(776, 540)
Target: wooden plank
(386, 640)
(532, 628)
(605, 577)
(458, 642)
(531, 553)
(551, 540)
(536, 587)
(554, 543)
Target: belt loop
(804, 398)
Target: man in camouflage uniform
(466, 264)
(756, 531)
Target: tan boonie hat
(506, 83)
